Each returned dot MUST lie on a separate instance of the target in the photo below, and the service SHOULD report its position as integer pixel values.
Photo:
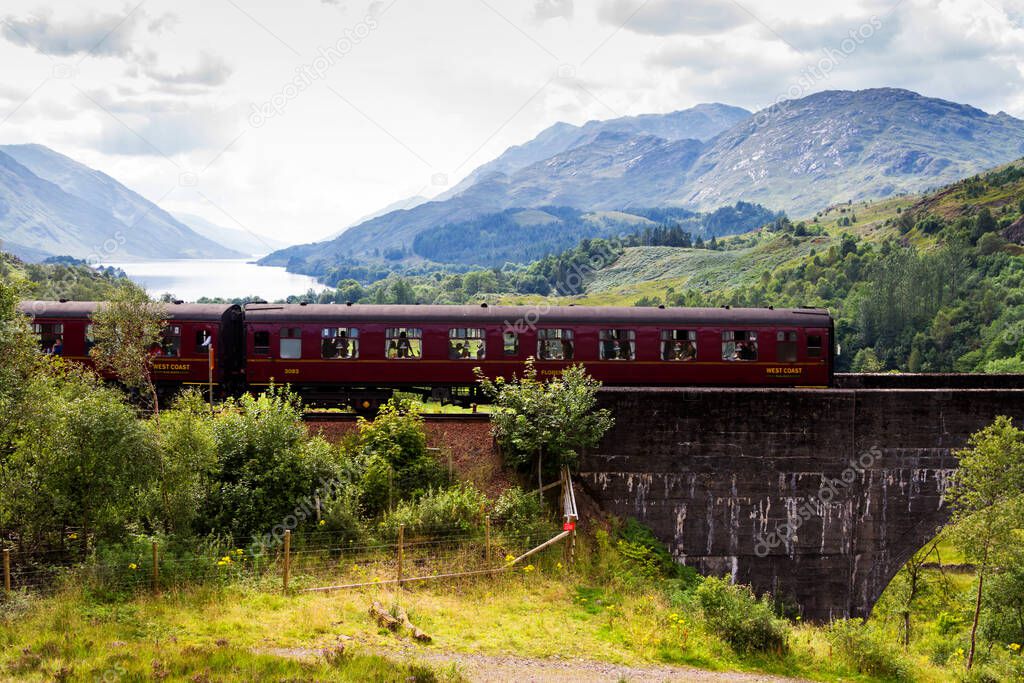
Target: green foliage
(267, 469)
(187, 453)
(553, 419)
(740, 618)
(647, 558)
(867, 361)
(867, 650)
(521, 513)
(124, 330)
(83, 460)
(393, 458)
(454, 511)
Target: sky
(294, 119)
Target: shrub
(647, 557)
(740, 618)
(451, 511)
(268, 470)
(396, 464)
(866, 650)
(521, 514)
(187, 455)
(342, 515)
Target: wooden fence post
(7, 570)
(487, 538)
(287, 557)
(156, 568)
(401, 551)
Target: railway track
(427, 417)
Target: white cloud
(667, 17)
(543, 10)
(98, 34)
(211, 70)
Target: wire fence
(316, 559)
(301, 561)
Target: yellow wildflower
(322, 522)
(133, 566)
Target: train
(357, 355)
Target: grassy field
(248, 631)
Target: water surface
(190, 279)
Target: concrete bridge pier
(818, 496)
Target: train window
(50, 337)
(339, 343)
(170, 342)
(261, 343)
(203, 340)
(618, 344)
(785, 346)
(510, 340)
(291, 342)
(404, 342)
(814, 345)
(679, 345)
(555, 344)
(466, 343)
(739, 345)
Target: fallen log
(384, 617)
(416, 632)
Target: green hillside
(60, 278)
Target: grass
(248, 632)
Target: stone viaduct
(818, 496)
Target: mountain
(53, 205)
(797, 156)
(407, 203)
(520, 176)
(701, 122)
(840, 145)
(247, 243)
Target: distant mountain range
(798, 156)
(51, 205)
(243, 241)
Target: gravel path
(481, 668)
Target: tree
(867, 361)
(20, 360)
(986, 494)
(125, 329)
(551, 422)
(86, 460)
(984, 222)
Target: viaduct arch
(818, 496)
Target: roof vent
(661, 306)
(178, 302)
(727, 307)
(63, 301)
(771, 308)
(303, 303)
(572, 304)
(348, 303)
(483, 304)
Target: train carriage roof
(533, 315)
(70, 310)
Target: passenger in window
(329, 348)
(455, 351)
(403, 349)
(685, 350)
(341, 342)
(746, 351)
(58, 347)
(566, 349)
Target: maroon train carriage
(182, 357)
(357, 354)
